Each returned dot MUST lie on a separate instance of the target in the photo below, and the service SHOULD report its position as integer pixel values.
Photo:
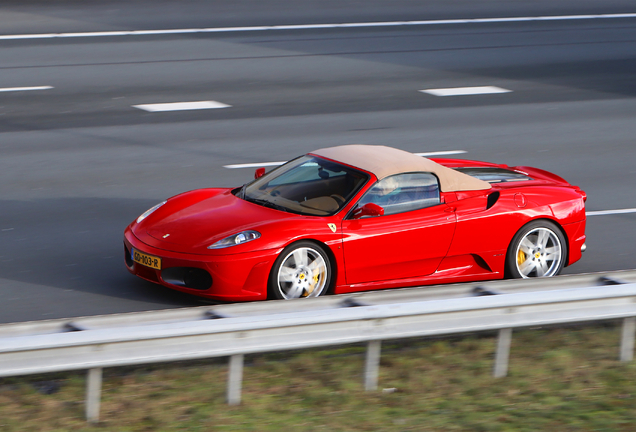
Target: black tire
(302, 270)
(539, 249)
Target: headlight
(236, 239)
(149, 211)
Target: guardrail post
(372, 365)
(234, 379)
(503, 352)
(93, 394)
(627, 339)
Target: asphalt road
(78, 162)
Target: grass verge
(566, 379)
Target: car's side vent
(492, 199)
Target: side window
(403, 192)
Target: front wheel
(539, 249)
(302, 270)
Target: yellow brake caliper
(315, 278)
(521, 257)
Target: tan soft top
(385, 161)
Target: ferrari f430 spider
(355, 218)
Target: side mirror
(368, 209)
(260, 172)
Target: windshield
(306, 185)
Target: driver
(387, 192)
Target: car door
(408, 241)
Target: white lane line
(254, 165)
(441, 153)
(181, 106)
(13, 89)
(266, 164)
(315, 26)
(610, 212)
(465, 91)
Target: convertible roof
(385, 161)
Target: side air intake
(492, 199)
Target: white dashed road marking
(254, 165)
(441, 153)
(465, 91)
(14, 89)
(610, 212)
(266, 164)
(316, 26)
(182, 106)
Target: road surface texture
(79, 161)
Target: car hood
(193, 221)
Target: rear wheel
(302, 270)
(539, 249)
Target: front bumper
(234, 277)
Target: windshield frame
(259, 191)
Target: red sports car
(355, 218)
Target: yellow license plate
(146, 260)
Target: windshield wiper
(269, 204)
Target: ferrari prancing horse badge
(332, 227)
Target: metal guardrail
(401, 295)
(305, 324)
